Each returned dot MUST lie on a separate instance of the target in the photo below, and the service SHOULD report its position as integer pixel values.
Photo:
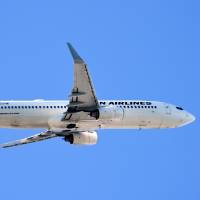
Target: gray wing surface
(35, 138)
(82, 97)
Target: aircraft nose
(189, 118)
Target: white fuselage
(133, 114)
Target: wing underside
(35, 138)
(82, 97)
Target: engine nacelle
(108, 113)
(82, 138)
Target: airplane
(77, 119)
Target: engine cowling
(82, 138)
(108, 113)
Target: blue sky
(135, 50)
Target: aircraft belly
(142, 119)
(23, 121)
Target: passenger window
(33, 107)
(22, 107)
(5, 107)
(29, 107)
(61, 106)
(58, 106)
(54, 106)
(19, 107)
(8, 107)
(25, 107)
(1, 107)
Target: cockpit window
(179, 108)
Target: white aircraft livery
(78, 119)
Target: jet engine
(108, 113)
(82, 138)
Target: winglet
(76, 57)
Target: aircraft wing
(35, 138)
(82, 97)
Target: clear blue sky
(135, 50)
